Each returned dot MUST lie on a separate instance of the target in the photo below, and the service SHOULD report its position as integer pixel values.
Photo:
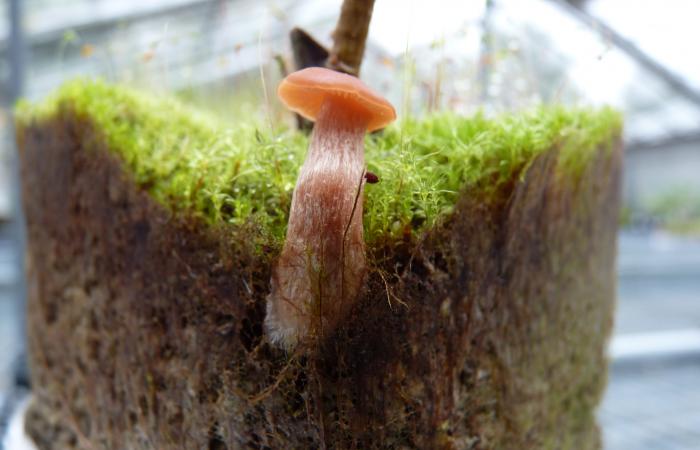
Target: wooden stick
(350, 35)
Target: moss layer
(194, 163)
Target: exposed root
(265, 393)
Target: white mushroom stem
(320, 271)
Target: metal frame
(141, 11)
(641, 57)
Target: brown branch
(348, 45)
(350, 35)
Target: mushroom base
(146, 328)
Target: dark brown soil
(146, 332)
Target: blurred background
(637, 55)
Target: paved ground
(654, 407)
(654, 403)
(651, 403)
(658, 284)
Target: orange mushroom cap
(305, 91)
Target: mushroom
(320, 271)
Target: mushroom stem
(320, 271)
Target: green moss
(197, 164)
